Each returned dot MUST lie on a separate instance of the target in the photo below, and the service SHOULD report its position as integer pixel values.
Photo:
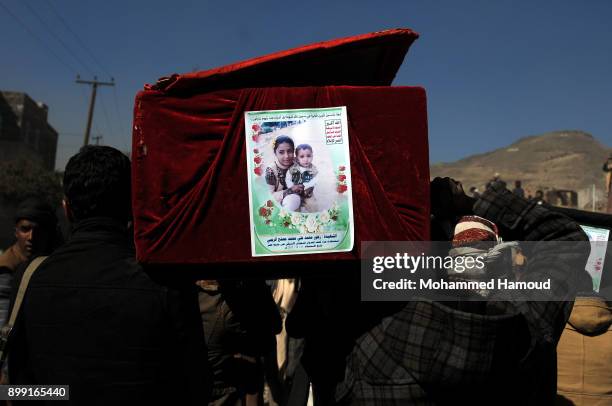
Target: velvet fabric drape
(190, 194)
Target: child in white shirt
(304, 173)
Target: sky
(494, 71)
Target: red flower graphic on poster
(342, 186)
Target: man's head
(97, 183)
(517, 183)
(448, 199)
(35, 227)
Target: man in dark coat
(518, 189)
(92, 319)
(36, 233)
(497, 351)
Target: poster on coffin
(299, 177)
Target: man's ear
(67, 210)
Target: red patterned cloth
(471, 229)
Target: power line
(94, 89)
(76, 37)
(48, 28)
(108, 122)
(94, 59)
(41, 42)
(119, 117)
(95, 125)
(69, 66)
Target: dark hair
(282, 139)
(36, 210)
(97, 182)
(302, 146)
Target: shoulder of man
(11, 259)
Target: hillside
(556, 160)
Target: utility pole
(94, 89)
(97, 139)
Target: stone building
(24, 130)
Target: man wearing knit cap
(35, 224)
(35, 230)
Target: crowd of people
(94, 319)
(517, 189)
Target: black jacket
(429, 352)
(92, 319)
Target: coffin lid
(363, 60)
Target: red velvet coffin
(190, 195)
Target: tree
(22, 178)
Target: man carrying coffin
(93, 320)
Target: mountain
(556, 160)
